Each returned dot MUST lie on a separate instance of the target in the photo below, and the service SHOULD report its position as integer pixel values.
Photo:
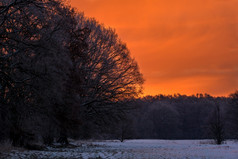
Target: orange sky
(181, 46)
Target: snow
(140, 149)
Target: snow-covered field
(137, 149)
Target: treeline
(61, 74)
(199, 116)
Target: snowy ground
(138, 149)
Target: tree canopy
(56, 65)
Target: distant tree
(125, 129)
(177, 116)
(165, 120)
(232, 114)
(217, 125)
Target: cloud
(177, 43)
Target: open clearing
(138, 149)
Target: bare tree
(57, 66)
(35, 63)
(109, 73)
(217, 125)
(232, 114)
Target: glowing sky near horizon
(181, 46)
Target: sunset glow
(181, 46)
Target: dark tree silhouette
(58, 66)
(35, 64)
(108, 74)
(232, 114)
(217, 125)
